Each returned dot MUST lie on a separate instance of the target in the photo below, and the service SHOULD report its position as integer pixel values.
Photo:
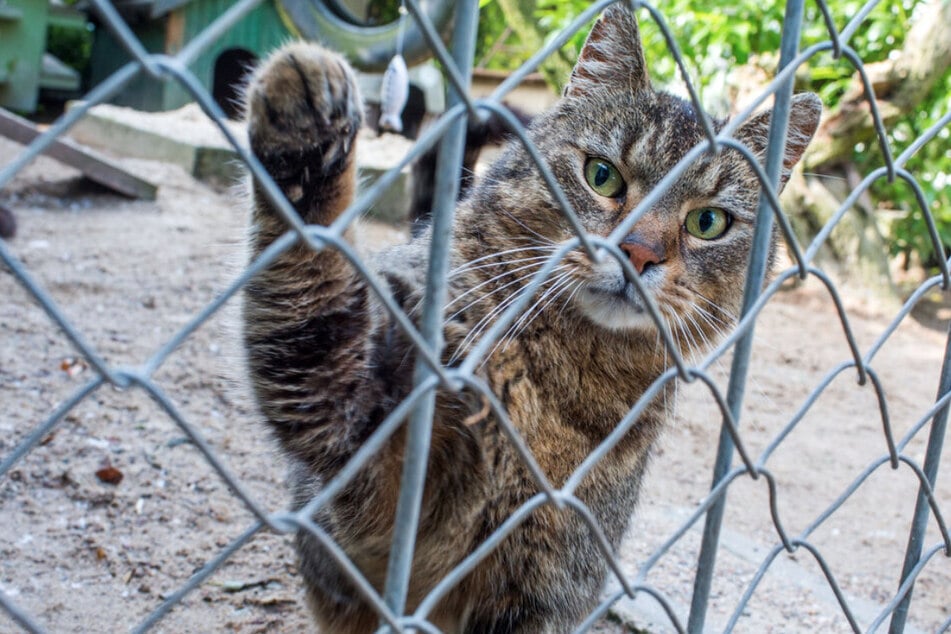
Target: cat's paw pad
(304, 110)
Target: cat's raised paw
(304, 110)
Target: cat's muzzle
(612, 301)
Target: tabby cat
(328, 363)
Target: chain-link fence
(924, 551)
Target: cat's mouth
(615, 305)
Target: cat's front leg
(309, 320)
(304, 112)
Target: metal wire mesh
(431, 374)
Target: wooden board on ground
(93, 166)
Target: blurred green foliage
(71, 45)
(715, 36)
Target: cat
(327, 363)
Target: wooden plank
(93, 166)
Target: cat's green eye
(604, 178)
(707, 223)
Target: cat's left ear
(612, 57)
(805, 109)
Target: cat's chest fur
(563, 386)
(576, 388)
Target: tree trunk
(856, 250)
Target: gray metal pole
(756, 274)
(420, 425)
(919, 523)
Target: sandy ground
(80, 554)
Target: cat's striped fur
(328, 364)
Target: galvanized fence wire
(431, 375)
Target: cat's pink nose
(642, 255)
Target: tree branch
(900, 84)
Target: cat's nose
(641, 254)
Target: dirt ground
(81, 554)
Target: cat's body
(328, 363)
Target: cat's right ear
(805, 110)
(612, 57)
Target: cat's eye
(604, 178)
(707, 223)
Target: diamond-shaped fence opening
(139, 492)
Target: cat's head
(609, 141)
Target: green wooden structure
(25, 67)
(165, 26)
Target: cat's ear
(612, 57)
(805, 109)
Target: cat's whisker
(698, 339)
(533, 262)
(529, 316)
(712, 322)
(579, 284)
(666, 401)
(482, 325)
(666, 349)
(545, 243)
(657, 342)
(552, 281)
(498, 254)
(708, 343)
(497, 257)
(533, 266)
(533, 269)
(671, 320)
(731, 317)
(675, 325)
(558, 284)
(565, 285)
(506, 263)
(688, 344)
(544, 239)
(523, 279)
(487, 319)
(716, 322)
(700, 335)
(502, 305)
